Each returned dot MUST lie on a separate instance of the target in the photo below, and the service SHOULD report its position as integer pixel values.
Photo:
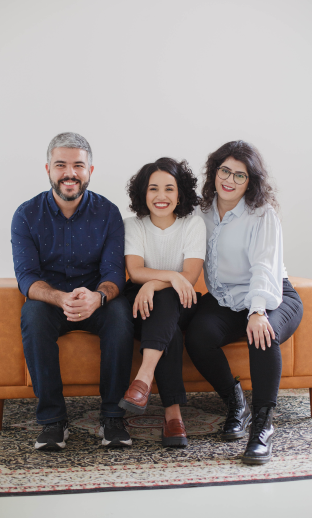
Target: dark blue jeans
(43, 323)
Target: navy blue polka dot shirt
(84, 250)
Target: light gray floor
(276, 499)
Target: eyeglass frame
(231, 172)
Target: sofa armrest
(303, 335)
(12, 361)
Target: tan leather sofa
(80, 353)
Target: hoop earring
(178, 202)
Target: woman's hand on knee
(144, 300)
(184, 289)
(260, 331)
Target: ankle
(146, 377)
(173, 412)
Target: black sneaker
(53, 436)
(114, 432)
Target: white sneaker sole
(125, 443)
(105, 442)
(60, 445)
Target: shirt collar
(237, 211)
(158, 231)
(240, 207)
(82, 205)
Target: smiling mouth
(69, 183)
(161, 205)
(227, 189)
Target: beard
(57, 188)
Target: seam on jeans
(156, 342)
(174, 400)
(58, 418)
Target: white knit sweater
(165, 249)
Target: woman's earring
(178, 202)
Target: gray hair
(71, 140)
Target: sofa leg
(310, 390)
(1, 412)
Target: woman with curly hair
(164, 250)
(249, 292)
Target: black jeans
(214, 326)
(162, 331)
(43, 323)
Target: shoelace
(114, 422)
(49, 426)
(257, 425)
(233, 408)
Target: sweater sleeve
(195, 239)
(134, 244)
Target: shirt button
(67, 244)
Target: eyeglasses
(239, 178)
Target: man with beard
(68, 251)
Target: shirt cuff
(195, 255)
(25, 284)
(257, 304)
(116, 279)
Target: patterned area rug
(85, 465)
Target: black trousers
(162, 331)
(214, 326)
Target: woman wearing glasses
(248, 292)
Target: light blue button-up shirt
(244, 258)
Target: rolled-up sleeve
(266, 264)
(112, 264)
(25, 253)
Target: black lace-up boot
(259, 447)
(238, 416)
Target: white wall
(142, 79)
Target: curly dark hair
(259, 190)
(186, 182)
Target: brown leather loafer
(173, 433)
(136, 398)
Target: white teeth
(69, 183)
(227, 188)
(161, 204)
